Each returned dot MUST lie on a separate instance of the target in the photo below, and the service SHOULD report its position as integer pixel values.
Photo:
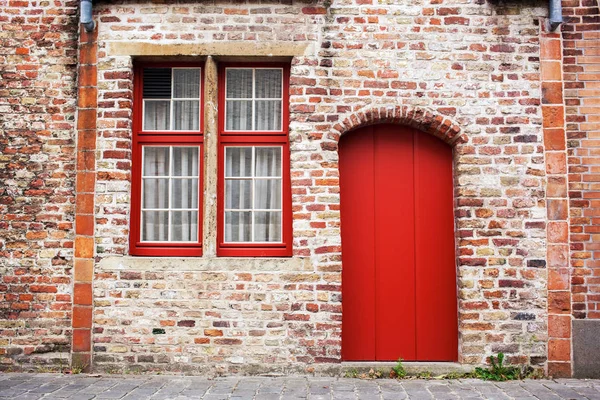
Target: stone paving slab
(21, 386)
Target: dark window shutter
(157, 83)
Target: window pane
(155, 226)
(267, 194)
(237, 226)
(268, 161)
(186, 115)
(239, 115)
(268, 83)
(185, 193)
(238, 194)
(185, 161)
(156, 115)
(187, 83)
(156, 161)
(184, 226)
(267, 115)
(156, 193)
(267, 226)
(239, 83)
(238, 161)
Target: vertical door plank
(358, 266)
(436, 305)
(394, 243)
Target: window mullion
(142, 219)
(169, 190)
(253, 194)
(253, 98)
(172, 116)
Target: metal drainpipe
(555, 12)
(86, 15)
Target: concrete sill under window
(246, 264)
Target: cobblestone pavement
(17, 386)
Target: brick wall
(473, 63)
(37, 111)
(581, 34)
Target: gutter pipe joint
(555, 11)
(86, 16)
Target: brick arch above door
(420, 118)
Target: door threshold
(411, 367)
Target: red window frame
(255, 138)
(170, 138)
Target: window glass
(157, 115)
(268, 83)
(254, 98)
(253, 193)
(239, 83)
(171, 98)
(186, 83)
(170, 179)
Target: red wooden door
(398, 265)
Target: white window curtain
(253, 99)
(186, 95)
(253, 194)
(267, 195)
(173, 101)
(170, 177)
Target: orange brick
(84, 203)
(82, 317)
(84, 225)
(558, 256)
(559, 302)
(559, 326)
(558, 279)
(88, 53)
(86, 119)
(86, 182)
(82, 294)
(550, 49)
(81, 340)
(559, 350)
(558, 232)
(557, 209)
(554, 139)
(84, 270)
(552, 93)
(88, 97)
(556, 163)
(557, 186)
(553, 116)
(595, 77)
(84, 247)
(551, 70)
(88, 75)
(86, 160)
(86, 140)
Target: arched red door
(398, 260)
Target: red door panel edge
(437, 319)
(358, 325)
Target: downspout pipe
(555, 11)
(86, 15)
